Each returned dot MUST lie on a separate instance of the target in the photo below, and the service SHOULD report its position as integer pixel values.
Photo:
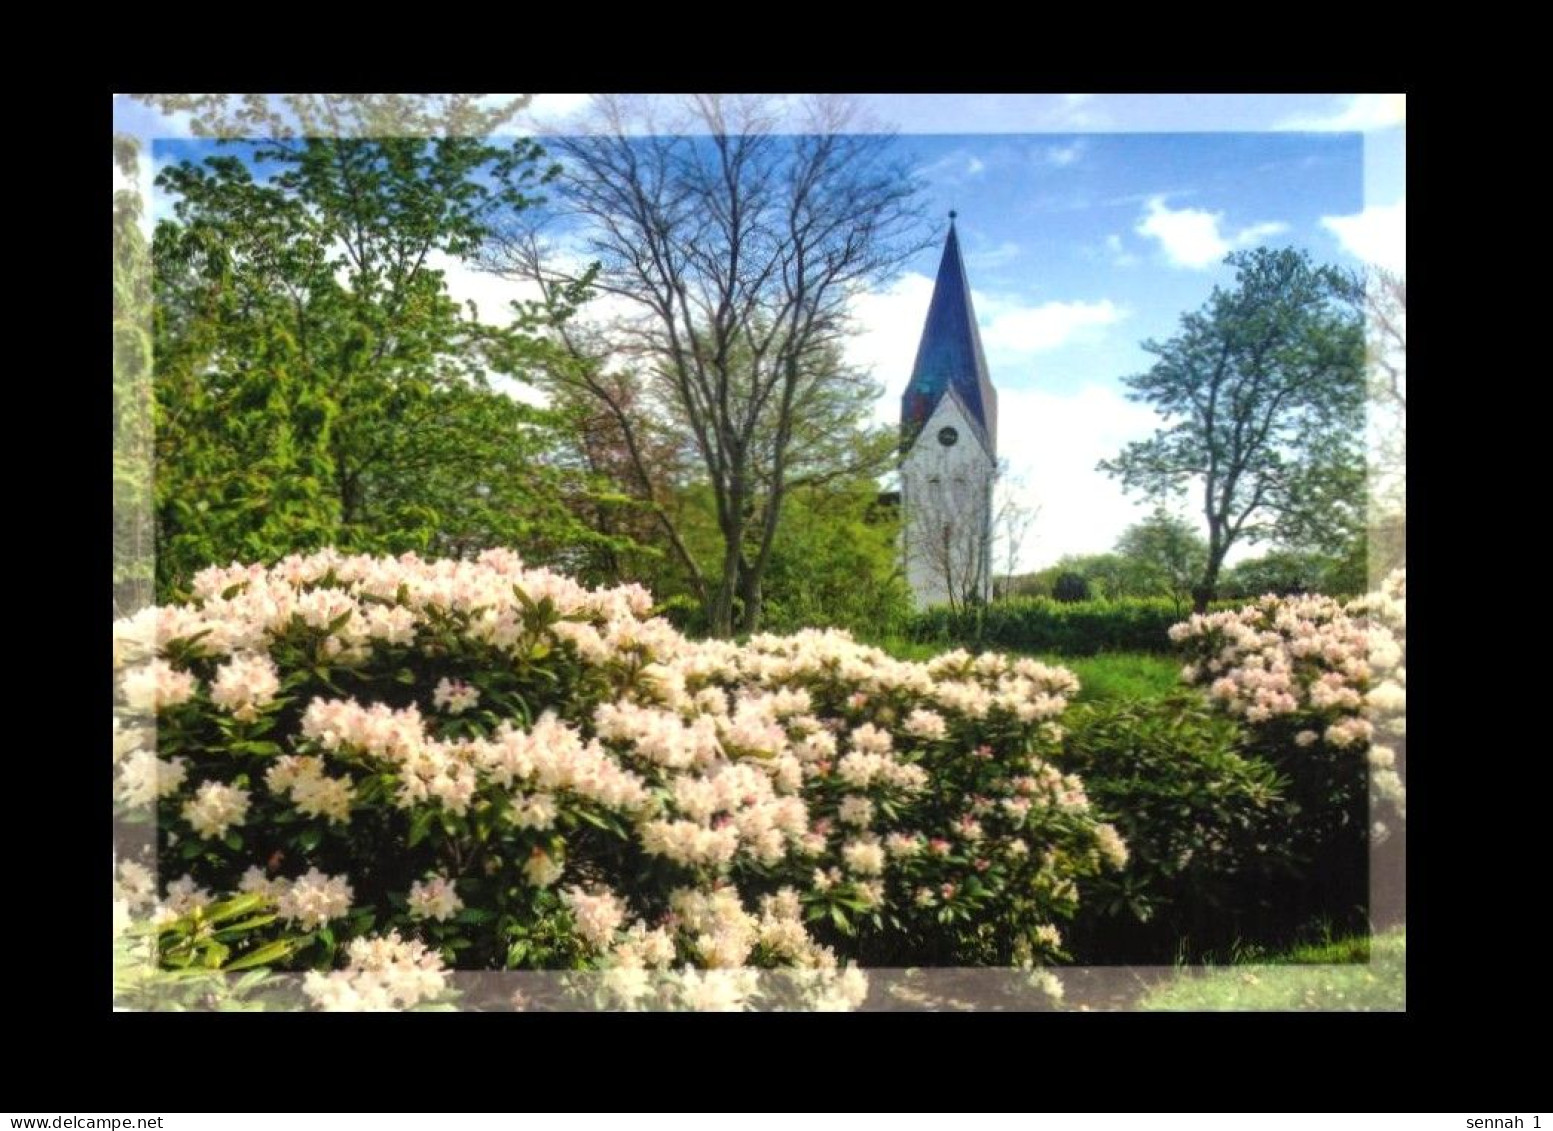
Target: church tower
(949, 433)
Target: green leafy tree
(1289, 572)
(1107, 575)
(836, 563)
(316, 383)
(1070, 586)
(132, 526)
(1262, 393)
(1163, 556)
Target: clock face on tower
(948, 436)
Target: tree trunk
(750, 594)
(720, 610)
(1208, 588)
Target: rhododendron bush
(417, 764)
(1321, 687)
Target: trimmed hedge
(1072, 628)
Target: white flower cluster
(183, 896)
(454, 696)
(134, 885)
(245, 684)
(383, 974)
(157, 686)
(1338, 667)
(143, 777)
(310, 900)
(784, 756)
(598, 914)
(215, 808)
(315, 793)
(434, 898)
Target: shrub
(1201, 824)
(1069, 587)
(1043, 624)
(1321, 688)
(472, 763)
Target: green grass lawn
(1331, 976)
(1112, 675)
(1122, 675)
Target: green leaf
(263, 748)
(246, 925)
(232, 908)
(270, 952)
(215, 954)
(420, 826)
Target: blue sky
(1089, 223)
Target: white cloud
(140, 186)
(1052, 443)
(1193, 237)
(1010, 327)
(1189, 236)
(1357, 112)
(1005, 252)
(953, 168)
(889, 324)
(1064, 155)
(491, 294)
(1120, 256)
(548, 107)
(155, 205)
(1079, 110)
(1257, 232)
(1377, 235)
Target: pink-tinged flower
(947, 891)
(939, 846)
(312, 899)
(454, 696)
(597, 914)
(925, 724)
(245, 684)
(434, 898)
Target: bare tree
(736, 249)
(1012, 519)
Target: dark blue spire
(950, 355)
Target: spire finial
(952, 215)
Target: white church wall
(946, 501)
